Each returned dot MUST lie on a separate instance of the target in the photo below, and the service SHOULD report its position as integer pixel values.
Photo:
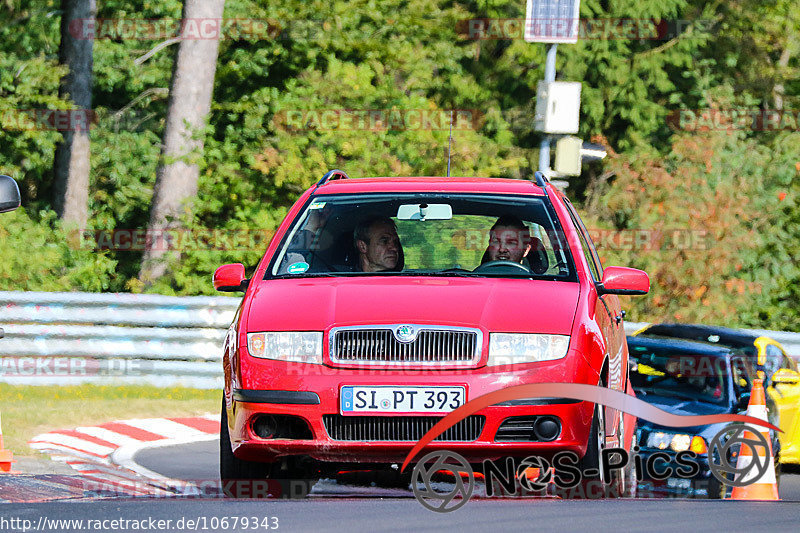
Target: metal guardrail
(66, 338)
(56, 338)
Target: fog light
(547, 428)
(265, 427)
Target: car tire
(287, 478)
(594, 486)
(237, 475)
(626, 482)
(716, 489)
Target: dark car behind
(686, 378)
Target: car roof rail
(331, 175)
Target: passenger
(305, 246)
(378, 246)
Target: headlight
(301, 346)
(512, 348)
(677, 442)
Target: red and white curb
(103, 454)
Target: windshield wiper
(313, 275)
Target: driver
(509, 240)
(378, 246)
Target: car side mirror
(9, 194)
(230, 278)
(623, 280)
(785, 376)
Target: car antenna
(449, 143)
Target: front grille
(399, 428)
(431, 346)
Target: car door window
(588, 239)
(776, 359)
(596, 273)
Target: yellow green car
(782, 377)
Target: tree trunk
(189, 104)
(778, 91)
(72, 166)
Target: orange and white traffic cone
(6, 457)
(764, 487)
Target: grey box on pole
(568, 156)
(558, 106)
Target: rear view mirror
(9, 194)
(424, 212)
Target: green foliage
(415, 55)
(708, 225)
(40, 256)
(779, 263)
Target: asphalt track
(405, 514)
(349, 508)
(343, 508)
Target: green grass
(30, 410)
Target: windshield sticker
(297, 268)
(317, 205)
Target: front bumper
(676, 485)
(314, 392)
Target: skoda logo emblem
(405, 333)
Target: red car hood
(509, 305)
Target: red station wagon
(382, 304)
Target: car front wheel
(594, 482)
(285, 478)
(237, 475)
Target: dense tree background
(738, 187)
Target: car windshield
(425, 234)
(680, 374)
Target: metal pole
(449, 143)
(549, 75)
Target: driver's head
(378, 244)
(509, 240)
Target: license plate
(400, 400)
